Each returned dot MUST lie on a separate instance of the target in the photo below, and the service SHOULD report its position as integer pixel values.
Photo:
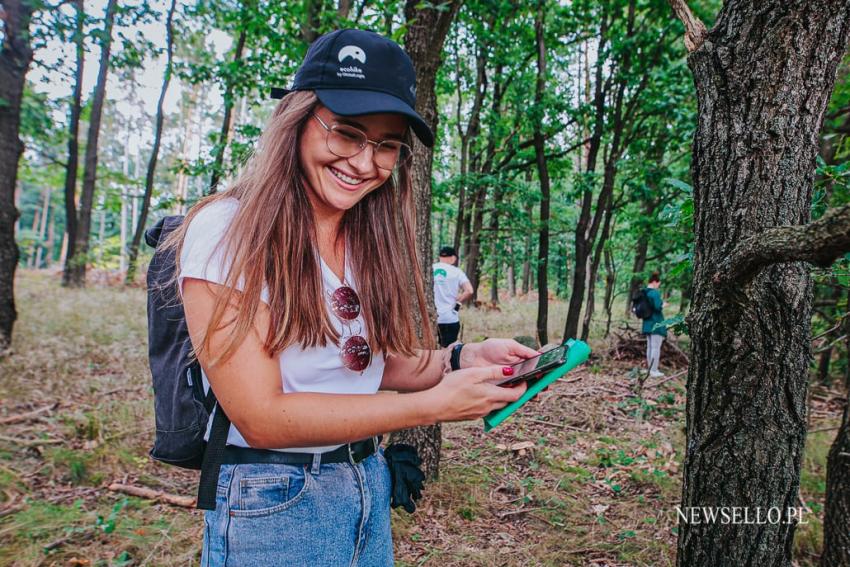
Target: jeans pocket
(265, 494)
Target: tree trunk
(511, 269)
(73, 141)
(426, 32)
(42, 227)
(15, 58)
(610, 282)
(221, 145)
(543, 174)
(157, 139)
(76, 264)
(526, 256)
(763, 78)
(610, 174)
(836, 520)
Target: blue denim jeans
(328, 515)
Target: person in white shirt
(451, 289)
(292, 280)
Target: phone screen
(535, 367)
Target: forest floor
(589, 475)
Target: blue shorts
(273, 514)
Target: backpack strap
(213, 456)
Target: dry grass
(597, 485)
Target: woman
(654, 331)
(294, 287)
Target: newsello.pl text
(745, 515)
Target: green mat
(577, 354)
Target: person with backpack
(294, 282)
(648, 306)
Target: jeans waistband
(349, 453)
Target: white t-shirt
(317, 369)
(447, 282)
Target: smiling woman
(294, 284)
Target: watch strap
(454, 359)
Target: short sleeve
(463, 279)
(202, 256)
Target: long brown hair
(272, 240)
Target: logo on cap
(351, 51)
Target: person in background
(655, 333)
(451, 288)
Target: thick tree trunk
(543, 175)
(72, 162)
(763, 78)
(15, 58)
(836, 521)
(76, 263)
(423, 41)
(146, 200)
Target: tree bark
(543, 175)
(836, 520)
(426, 32)
(72, 162)
(763, 78)
(15, 57)
(157, 139)
(610, 281)
(75, 264)
(526, 255)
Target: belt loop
(317, 464)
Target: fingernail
(507, 370)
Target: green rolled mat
(577, 354)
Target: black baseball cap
(357, 72)
(447, 251)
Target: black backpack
(642, 306)
(182, 408)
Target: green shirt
(649, 324)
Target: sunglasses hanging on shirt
(355, 354)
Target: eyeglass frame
(329, 129)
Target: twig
(695, 31)
(150, 494)
(25, 416)
(31, 442)
(825, 429)
(668, 378)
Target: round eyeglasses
(355, 354)
(347, 141)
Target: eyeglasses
(347, 141)
(356, 354)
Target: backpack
(642, 306)
(181, 407)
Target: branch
(819, 242)
(695, 30)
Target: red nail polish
(507, 370)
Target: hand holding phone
(534, 368)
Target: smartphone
(534, 368)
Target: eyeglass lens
(345, 141)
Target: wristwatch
(454, 359)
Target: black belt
(349, 453)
